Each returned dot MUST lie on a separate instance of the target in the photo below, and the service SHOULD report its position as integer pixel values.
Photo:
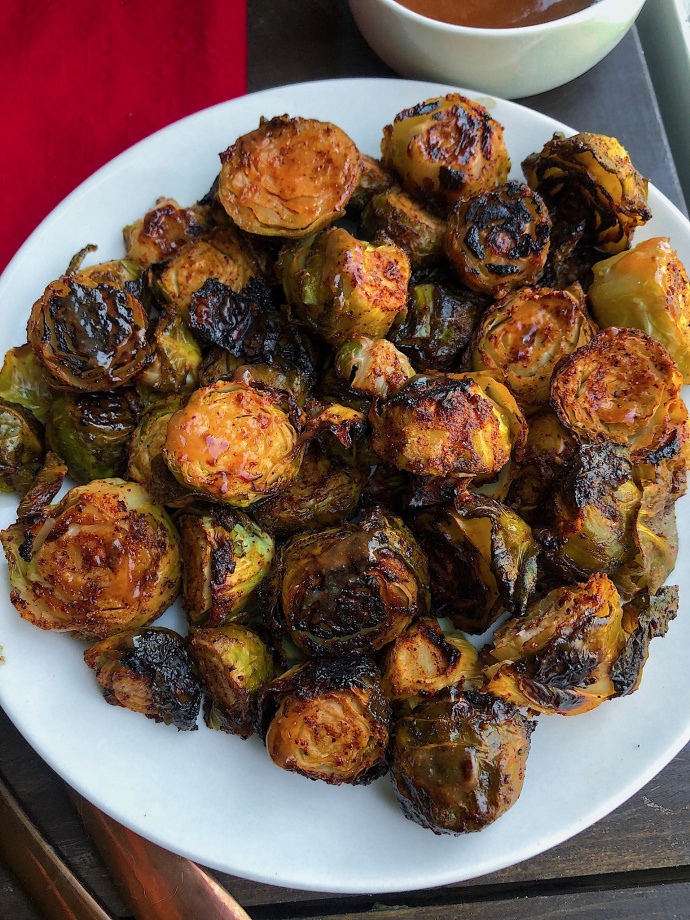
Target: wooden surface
(634, 864)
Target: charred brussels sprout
(393, 215)
(45, 486)
(325, 491)
(646, 288)
(21, 447)
(162, 231)
(623, 387)
(596, 503)
(521, 339)
(458, 763)
(148, 671)
(233, 443)
(423, 661)
(590, 177)
(373, 366)
(225, 556)
(576, 647)
(174, 367)
(224, 254)
(498, 239)
(482, 560)
(91, 432)
(441, 318)
(89, 335)
(458, 425)
(331, 720)
(290, 177)
(353, 588)
(446, 148)
(23, 381)
(104, 559)
(549, 447)
(235, 666)
(342, 288)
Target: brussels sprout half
(352, 588)
(482, 560)
(148, 671)
(225, 556)
(373, 180)
(373, 366)
(21, 447)
(23, 381)
(146, 446)
(91, 432)
(646, 288)
(445, 149)
(590, 177)
(157, 235)
(290, 177)
(329, 720)
(497, 239)
(174, 367)
(392, 215)
(104, 559)
(235, 667)
(458, 763)
(623, 387)
(341, 287)
(234, 443)
(88, 334)
(576, 647)
(521, 339)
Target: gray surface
(291, 41)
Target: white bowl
(505, 62)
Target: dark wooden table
(634, 864)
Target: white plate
(213, 797)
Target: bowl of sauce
(509, 48)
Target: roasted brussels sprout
(148, 671)
(224, 253)
(225, 556)
(445, 149)
(251, 328)
(341, 287)
(161, 232)
(45, 486)
(146, 445)
(21, 447)
(235, 666)
(549, 447)
(458, 425)
(89, 335)
(623, 387)
(596, 503)
(234, 443)
(423, 661)
(590, 177)
(290, 177)
(104, 559)
(91, 432)
(520, 339)
(354, 587)
(373, 179)
(497, 239)
(23, 381)
(325, 491)
(458, 763)
(482, 560)
(441, 318)
(646, 288)
(373, 366)
(331, 721)
(174, 367)
(393, 215)
(576, 647)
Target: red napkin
(82, 80)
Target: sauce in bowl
(496, 14)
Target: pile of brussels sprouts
(352, 410)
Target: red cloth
(82, 80)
